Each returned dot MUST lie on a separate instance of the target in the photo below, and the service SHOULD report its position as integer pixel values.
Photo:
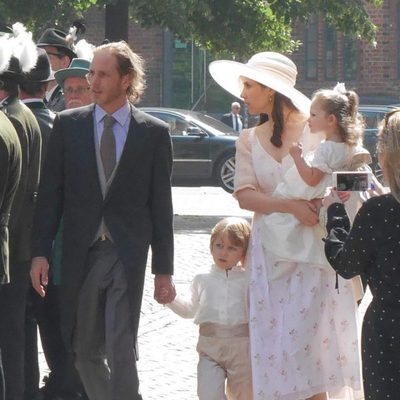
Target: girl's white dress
(282, 228)
(303, 333)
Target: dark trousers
(12, 329)
(44, 313)
(103, 337)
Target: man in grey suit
(107, 172)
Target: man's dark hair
(31, 88)
(9, 86)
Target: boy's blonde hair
(237, 229)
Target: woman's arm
(252, 200)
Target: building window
(311, 47)
(330, 53)
(349, 58)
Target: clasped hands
(164, 289)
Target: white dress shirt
(218, 296)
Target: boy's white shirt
(218, 296)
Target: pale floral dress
(303, 333)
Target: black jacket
(10, 171)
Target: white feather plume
(6, 51)
(84, 49)
(24, 49)
(72, 33)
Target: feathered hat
(64, 41)
(18, 53)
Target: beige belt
(210, 329)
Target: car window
(216, 126)
(372, 119)
(177, 125)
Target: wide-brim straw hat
(79, 67)
(271, 69)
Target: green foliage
(38, 15)
(236, 27)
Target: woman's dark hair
(277, 117)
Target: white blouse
(218, 296)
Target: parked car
(373, 115)
(204, 148)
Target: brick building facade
(324, 58)
(146, 42)
(374, 72)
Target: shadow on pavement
(196, 224)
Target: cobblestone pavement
(167, 343)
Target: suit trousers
(224, 359)
(103, 338)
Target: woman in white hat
(303, 332)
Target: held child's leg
(210, 375)
(238, 368)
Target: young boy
(218, 306)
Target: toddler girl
(334, 113)
(218, 306)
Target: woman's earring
(271, 98)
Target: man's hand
(164, 289)
(40, 274)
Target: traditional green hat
(79, 67)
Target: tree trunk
(117, 18)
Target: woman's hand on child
(296, 150)
(305, 212)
